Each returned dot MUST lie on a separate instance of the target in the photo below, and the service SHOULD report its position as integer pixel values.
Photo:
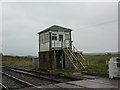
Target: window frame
(54, 36)
(60, 39)
(67, 36)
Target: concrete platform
(64, 85)
(50, 86)
(61, 85)
(29, 88)
(91, 82)
(96, 83)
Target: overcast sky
(94, 25)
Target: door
(61, 40)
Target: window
(54, 36)
(60, 37)
(67, 36)
(41, 38)
(46, 37)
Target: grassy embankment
(96, 63)
(24, 62)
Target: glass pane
(67, 36)
(54, 36)
(60, 37)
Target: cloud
(22, 21)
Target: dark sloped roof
(55, 27)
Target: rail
(74, 55)
(74, 49)
(19, 80)
(42, 75)
(3, 87)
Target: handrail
(78, 52)
(74, 49)
(70, 59)
(71, 48)
(76, 58)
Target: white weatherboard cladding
(44, 47)
(57, 43)
(44, 42)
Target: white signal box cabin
(55, 37)
(51, 42)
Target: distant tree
(108, 53)
(1, 54)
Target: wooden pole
(54, 55)
(62, 54)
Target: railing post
(62, 54)
(54, 55)
(65, 43)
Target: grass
(98, 59)
(24, 62)
(96, 63)
(97, 68)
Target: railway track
(35, 80)
(32, 78)
(18, 83)
(3, 87)
(40, 80)
(22, 84)
(53, 77)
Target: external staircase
(75, 57)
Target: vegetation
(98, 63)
(95, 63)
(97, 68)
(98, 59)
(24, 62)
